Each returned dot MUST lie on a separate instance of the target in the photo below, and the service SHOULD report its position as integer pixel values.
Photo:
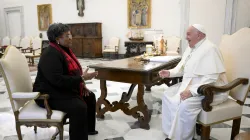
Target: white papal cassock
(200, 65)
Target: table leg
(127, 96)
(32, 61)
(124, 106)
(141, 107)
(102, 100)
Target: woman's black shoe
(167, 139)
(93, 133)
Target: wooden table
(129, 70)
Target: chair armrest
(172, 80)
(208, 90)
(25, 95)
(24, 50)
(107, 47)
(18, 47)
(178, 50)
(34, 50)
(110, 46)
(45, 97)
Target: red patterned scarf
(74, 67)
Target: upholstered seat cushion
(31, 54)
(224, 111)
(32, 112)
(109, 50)
(25, 95)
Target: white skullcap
(200, 27)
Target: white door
(14, 23)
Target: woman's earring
(58, 42)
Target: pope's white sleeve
(177, 71)
(206, 79)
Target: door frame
(8, 10)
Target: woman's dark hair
(55, 30)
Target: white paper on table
(163, 58)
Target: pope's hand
(164, 73)
(186, 94)
(90, 75)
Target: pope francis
(201, 63)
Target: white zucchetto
(200, 28)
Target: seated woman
(60, 75)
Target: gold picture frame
(44, 14)
(139, 13)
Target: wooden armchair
(15, 71)
(25, 45)
(15, 41)
(236, 52)
(112, 47)
(35, 50)
(5, 43)
(173, 44)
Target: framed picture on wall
(139, 13)
(44, 14)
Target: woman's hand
(89, 76)
(86, 93)
(164, 73)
